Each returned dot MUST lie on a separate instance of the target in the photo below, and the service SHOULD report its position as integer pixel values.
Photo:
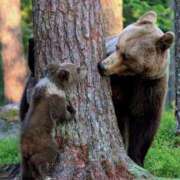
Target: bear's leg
(141, 134)
(25, 100)
(24, 105)
(27, 170)
(45, 161)
(123, 124)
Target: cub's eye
(63, 75)
(125, 56)
(117, 48)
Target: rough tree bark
(170, 99)
(12, 54)
(90, 145)
(177, 59)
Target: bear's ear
(149, 17)
(63, 75)
(165, 41)
(50, 69)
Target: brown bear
(138, 71)
(48, 107)
(31, 81)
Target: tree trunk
(113, 23)
(12, 55)
(170, 99)
(90, 145)
(177, 58)
(112, 16)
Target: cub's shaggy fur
(48, 107)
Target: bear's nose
(101, 68)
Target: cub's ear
(63, 75)
(166, 41)
(50, 69)
(149, 17)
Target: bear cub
(48, 107)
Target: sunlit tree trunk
(90, 145)
(12, 54)
(112, 16)
(177, 59)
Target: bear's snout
(101, 68)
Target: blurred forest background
(132, 9)
(162, 159)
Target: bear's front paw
(71, 109)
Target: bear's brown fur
(138, 72)
(48, 107)
(30, 83)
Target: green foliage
(9, 151)
(163, 157)
(133, 9)
(1, 83)
(26, 22)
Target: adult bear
(139, 82)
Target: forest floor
(162, 159)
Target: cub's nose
(101, 68)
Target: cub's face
(63, 74)
(141, 49)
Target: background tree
(113, 17)
(177, 58)
(91, 145)
(12, 54)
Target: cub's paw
(71, 109)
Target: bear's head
(49, 94)
(65, 74)
(141, 50)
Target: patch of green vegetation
(9, 115)
(163, 158)
(133, 9)
(9, 151)
(1, 82)
(26, 22)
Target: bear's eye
(117, 48)
(63, 75)
(125, 56)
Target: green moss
(9, 151)
(163, 157)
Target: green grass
(9, 151)
(163, 158)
